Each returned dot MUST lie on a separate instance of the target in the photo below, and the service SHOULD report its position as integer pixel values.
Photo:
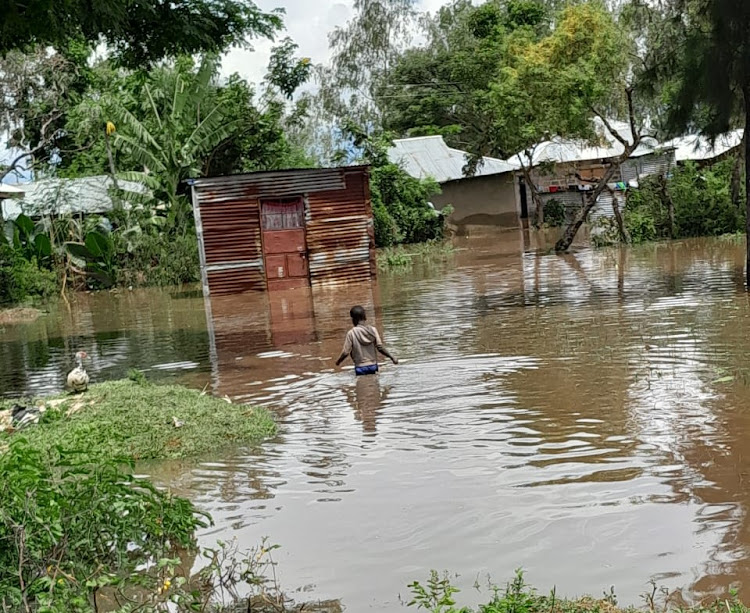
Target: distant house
(487, 197)
(55, 197)
(564, 170)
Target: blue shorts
(366, 370)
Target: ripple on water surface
(578, 416)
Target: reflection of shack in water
(264, 336)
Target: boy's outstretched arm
(342, 357)
(387, 354)
(381, 347)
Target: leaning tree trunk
(570, 232)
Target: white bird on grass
(78, 378)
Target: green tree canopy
(137, 32)
(707, 64)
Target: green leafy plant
(641, 226)
(136, 376)
(30, 242)
(554, 213)
(436, 596)
(21, 279)
(96, 257)
(50, 557)
(701, 201)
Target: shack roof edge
(238, 176)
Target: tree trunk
(538, 204)
(670, 203)
(537, 200)
(739, 160)
(110, 157)
(624, 236)
(747, 184)
(570, 232)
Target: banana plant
(95, 257)
(31, 241)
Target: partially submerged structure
(486, 197)
(564, 170)
(284, 229)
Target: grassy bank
(143, 421)
(18, 315)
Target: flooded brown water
(573, 416)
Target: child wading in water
(362, 343)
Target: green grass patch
(136, 419)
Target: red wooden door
(284, 244)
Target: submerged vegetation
(143, 421)
(403, 257)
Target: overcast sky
(308, 22)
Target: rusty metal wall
(340, 236)
(275, 184)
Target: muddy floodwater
(585, 417)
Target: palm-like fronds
(182, 122)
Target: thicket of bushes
(21, 278)
(702, 202)
(95, 253)
(401, 211)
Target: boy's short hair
(358, 314)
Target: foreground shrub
(21, 279)
(70, 527)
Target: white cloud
(308, 22)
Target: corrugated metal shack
(284, 229)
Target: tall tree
(34, 90)
(442, 86)
(138, 32)
(455, 85)
(501, 78)
(182, 123)
(363, 50)
(94, 95)
(711, 67)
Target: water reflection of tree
(715, 452)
